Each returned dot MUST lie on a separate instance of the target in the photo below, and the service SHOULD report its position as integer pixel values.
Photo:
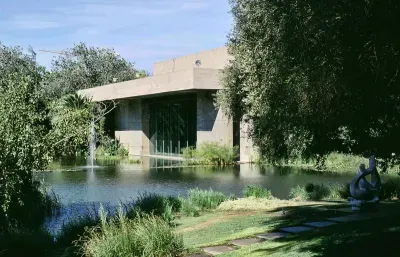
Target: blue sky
(142, 31)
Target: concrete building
(174, 108)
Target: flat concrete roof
(179, 81)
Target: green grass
(310, 191)
(26, 242)
(221, 228)
(334, 162)
(205, 199)
(377, 238)
(257, 191)
(155, 204)
(146, 235)
(72, 230)
(390, 189)
(211, 153)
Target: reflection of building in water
(174, 108)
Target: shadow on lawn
(374, 237)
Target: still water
(112, 182)
(81, 187)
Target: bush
(257, 192)
(310, 191)
(145, 236)
(205, 199)
(339, 191)
(111, 147)
(37, 206)
(155, 204)
(72, 230)
(343, 162)
(211, 153)
(389, 190)
(189, 209)
(26, 242)
(298, 193)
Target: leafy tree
(24, 147)
(316, 76)
(71, 118)
(13, 60)
(85, 67)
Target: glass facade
(172, 124)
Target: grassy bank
(334, 162)
(157, 225)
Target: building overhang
(163, 84)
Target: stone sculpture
(363, 192)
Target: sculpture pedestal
(363, 206)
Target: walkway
(283, 232)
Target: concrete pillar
(248, 153)
(145, 137)
(212, 124)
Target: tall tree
(84, 67)
(316, 76)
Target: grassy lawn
(368, 238)
(347, 239)
(220, 227)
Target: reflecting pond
(113, 182)
(110, 183)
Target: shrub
(157, 205)
(217, 154)
(310, 191)
(111, 147)
(389, 190)
(26, 242)
(211, 153)
(205, 199)
(343, 162)
(189, 209)
(339, 191)
(37, 206)
(257, 192)
(147, 235)
(298, 193)
(72, 230)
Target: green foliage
(189, 209)
(211, 153)
(84, 67)
(14, 61)
(70, 120)
(111, 147)
(390, 190)
(155, 204)
(339, 191)
(24, 146)
(145, 236)
(307, 73)
(74, 229)
(257, 191)
(25, 242)
(205, 199)
(310, 191)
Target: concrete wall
(128, 121)
(213, 59)
(212, 124)
(247, 150)
(185, 80)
